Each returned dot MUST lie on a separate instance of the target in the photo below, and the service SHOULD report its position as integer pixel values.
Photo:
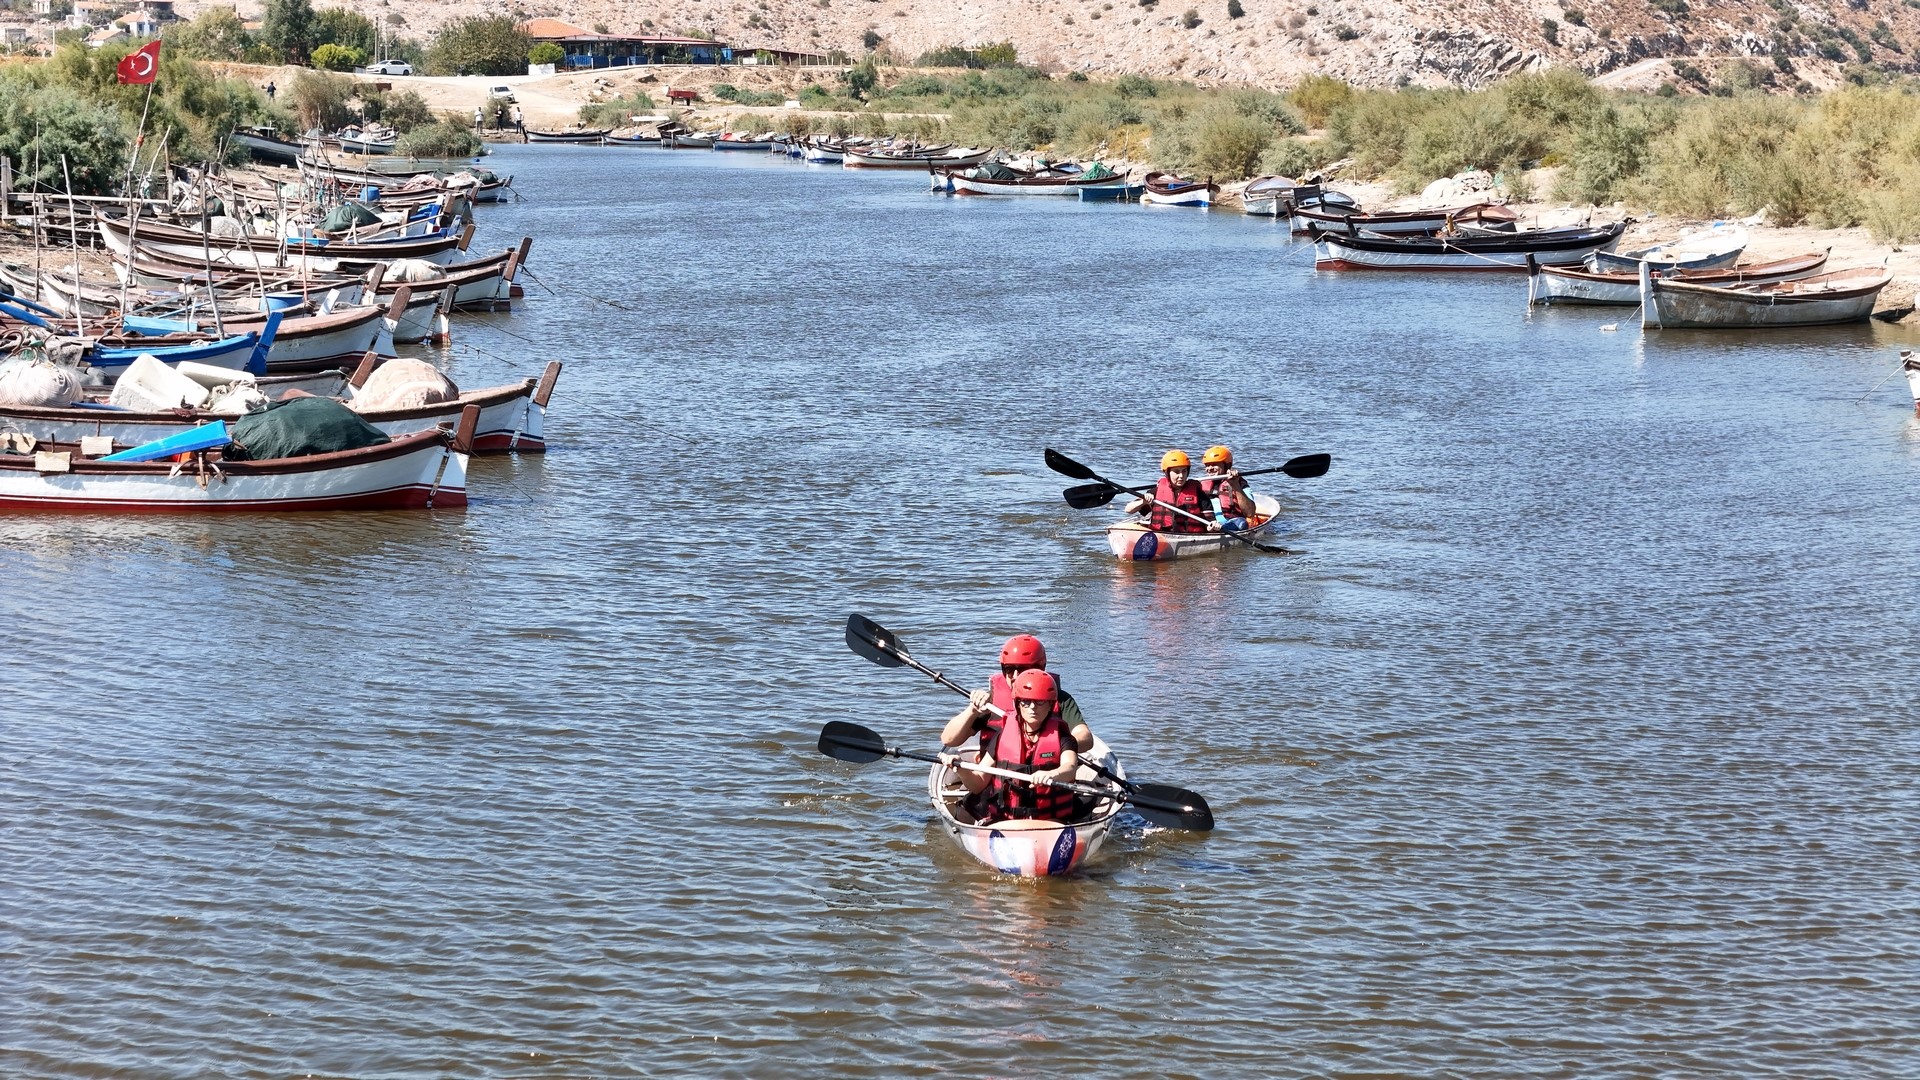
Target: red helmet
(1024, 650)
(1035, 685)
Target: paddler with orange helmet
(1227, 488)
(1031, 739)
(1021, 653)
(1177, 491)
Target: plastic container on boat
(151, 386)
(210, 376)
(204, 437)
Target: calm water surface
(1580, 743)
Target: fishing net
(308, 425)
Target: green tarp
(1096, 171)
(307, 425)
(347, 216)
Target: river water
(1579, 742)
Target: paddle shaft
(1064, 785)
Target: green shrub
(1293, 157)
(493, 45)
(320, 100)
(1190, 18)
(1550, 30)
(39, 125)
(338, 57)
(546, 52)
(446, 139)
(1317, 96)
(614, 112)
(1234, 10)
(406, 111)
(1135, 86)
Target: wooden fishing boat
(633, 140)
(1707, 250)
(264, 144)
(1272, 196)
(1842, 296)
(1471, 250)
(824, 153)
(1402, 222)
(733, 142)
(1576, 285)
(987, 180)
(1166, 189)
(267, 251)
(687, 142)
(313, 341)
(1321, 198)
(511, 418)
(1132, 541)
(941, 157)
(594, 138)
(1127, 192)
(417, 471)
(1029, 848)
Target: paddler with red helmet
(1227, 488)
(1031, 739)
(1177, 491)
(1021, 653)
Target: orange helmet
(1175, 459)
(1023, 650)
(1217, 455)
(1035, 685)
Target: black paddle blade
(851, 742)
(871, 640)
(1066, 466)
(1308, 466)
(1088, 496)
(1169, 807)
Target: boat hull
(1824, 300)
(415, 472)
(1573, 285)
(1028, 849)
(854, 159)
(1568, 248)
(1132, 541)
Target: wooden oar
(878, 644)
(1066, 466)
(1171, 807)
(1304, 467)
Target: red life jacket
(1010, 749)
(1189, 496)
(1220, 489)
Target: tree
(862, 78)
(338, 26)
(320, 100)
(40, 126)
(288, 29)
(546, 52)
(218, 34)
(495, 45)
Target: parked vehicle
(390, 67)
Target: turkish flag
(141, 65)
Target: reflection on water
(1576, 743)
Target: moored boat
(1351, 220)
(1030, 848)
(1577, 285)
(937, 157)
(1471, 250)
(417, 471)
(1841, 296)
(594, 138)
(1709, 250)
(1166, 189)
(731, 141)
(1133, 541)
(993, 179)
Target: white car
(501, 93)
(390, 67)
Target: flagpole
(133, 160)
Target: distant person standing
(519, 122)
(270, 90)
(479, 117)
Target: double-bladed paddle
(1304, 467)
(1170, 807)
(1066, 466)
(878, 644)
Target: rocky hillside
(1273, 42)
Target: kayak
(1132, 541)
(1029, 848)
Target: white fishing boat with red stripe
(1133, 541)
(1030, 848)
(427, 469)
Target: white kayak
(1029, 848)
(1132, 541)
